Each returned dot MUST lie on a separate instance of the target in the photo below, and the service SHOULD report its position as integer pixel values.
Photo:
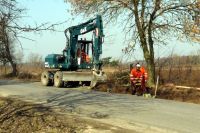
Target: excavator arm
(94, 25)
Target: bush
(28, 76)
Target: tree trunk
(12, 63)
(7, 44)
(14, 68)
(149, 58)
(151, 71)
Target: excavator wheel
(58, 79)
(45, 78)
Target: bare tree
(7, 46)
(192, 23)
(11, 30)
(35, 60)
(149, 22)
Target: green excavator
(79, 63)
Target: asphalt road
(125, 111)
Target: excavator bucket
(84, 77)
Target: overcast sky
(55, 11)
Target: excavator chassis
(61, 78)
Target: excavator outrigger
(80, 61)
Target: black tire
(86, 83)
(58, 82)
(45, 78)
(75, 84)
(71, 84)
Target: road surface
(125, 111)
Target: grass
(25, 72)
(180, 76)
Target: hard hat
(138, 65)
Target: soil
(184, 95)
(18, 116)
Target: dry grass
(118, 82)
(25, 72)
(180, 75)
(188, 76)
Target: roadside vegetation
(30, 69)
(173, 70)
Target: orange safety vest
(83, 56)
(138, 74)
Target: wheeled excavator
(79, 63)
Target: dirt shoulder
(191, 95)
(171, 92)
(119, 82)
(19, 116)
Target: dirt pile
(179, 94)
(118, 82)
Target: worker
(83, 56)
(87, 58)
(138, 77)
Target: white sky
(55, 11)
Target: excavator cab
(84, 54)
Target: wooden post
(157, 81)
